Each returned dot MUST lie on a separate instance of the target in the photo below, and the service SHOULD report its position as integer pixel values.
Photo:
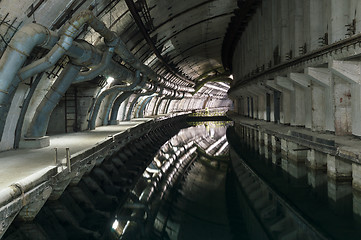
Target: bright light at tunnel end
(115, 224)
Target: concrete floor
(20, 163)
(348, 145)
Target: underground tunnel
(190, 119)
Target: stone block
(316, 159)
(338, 169)
(35, 142)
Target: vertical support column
(322, 102)
(316, 160)
(302, 100)
(261, 142)
(338, 19)
(314, 23)
(338, 169)
(267, 145)
(356, 176)
(285, 29)
(260, 103)
(287, 90)
(288, 101)
(296, 152)
(298, 26)
(276, 150)
(347, 96)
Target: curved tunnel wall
(303, 77)
(85, 54)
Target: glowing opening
(110, 80)
(115, 224)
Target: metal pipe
(109, 108)
(141, 110)
(136, 111)
(98, 69)
(114, 89)
(39, 123)
(115, 108)
(133, 103)
(19, 48)
(158, 105)
(141, 81)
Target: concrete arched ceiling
(188, 34)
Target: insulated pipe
(39, 123)
(109, 108)
(115, 108)
(158, 105)
(114, 89)
(24, 42)
(135, 100)
(69, 32)
(141, 102)
(98, 69)
(141, 110)
(19, 48)
(141, 81)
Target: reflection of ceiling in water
(191, 166)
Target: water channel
(204, 181)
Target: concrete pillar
(296, 152)
(356, 176)
(347, 96)
(355, 13)
(313, 23)
(267, 145)
(302, 99)
(356, 205)
(286, 108)
(276, 150)
(338, 169)
(338, 19)
(285, 29)
(284, 149)
(261, 143)
(323, 109)
(260, 94)
(296, 170)
(340, 196)
(297, 30)
(316, 179)
(316, 160)
(287, 90)
(267, 16)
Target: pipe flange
(114, 42)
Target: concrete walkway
(20, 163)
(347, 146)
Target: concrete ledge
(114, 122)
(35, 142)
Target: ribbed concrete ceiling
(188, 34)
(195, 29)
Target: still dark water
(203, 203)
(333, 208)
(189, 192)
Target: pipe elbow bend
(113, 42)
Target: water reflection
(332, 207)
(181, 194)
